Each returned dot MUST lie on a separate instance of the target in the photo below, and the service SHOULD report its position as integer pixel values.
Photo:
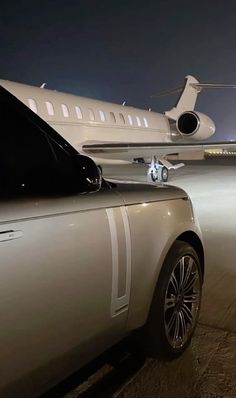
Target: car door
(62, 289)
(64, 270)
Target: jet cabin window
(91, 114)
(32, 105)
(130, 120)
(65, 110)
(113, 118)
(102, 116)
(49, 107)
(78, 112)
(138, 121)
(145, 122)
(122, 119)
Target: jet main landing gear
(157, 171)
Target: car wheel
(164, 174)
(176, 303)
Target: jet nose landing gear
(157, 171)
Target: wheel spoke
(188, 314)
(181, 272)
(174, 283)
(188, 272)
(177, 324)
(171, 322)
(192, 280)
(183, 324)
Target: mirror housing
(71, 175)
(87, 175)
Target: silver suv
(85, 262)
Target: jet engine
(195, 125)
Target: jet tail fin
(188, 96)
(187, 99)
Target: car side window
(35, 159)
(26, 158)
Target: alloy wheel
(182, 301)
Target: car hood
(133, 193)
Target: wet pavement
(206, 370)
(208, 367)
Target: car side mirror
(88, 176)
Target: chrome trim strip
(115, 262)
(124, 300)
(119, 304)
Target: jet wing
(130, 151)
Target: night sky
(124, 50)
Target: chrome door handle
(10, 235)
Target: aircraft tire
(154, 176)
(164, 174)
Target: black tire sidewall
(154, 179)
(164, 169)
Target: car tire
(176, 304)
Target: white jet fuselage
(81, 120)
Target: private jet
(113, 134)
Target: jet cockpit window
(49, 107)
(32, 105)
(91, 114)
(138, 121)
(102, 116)
(122, 119)
(65, 110)
(113, 118)
(130, 120)
(78, 112)
(145, 122)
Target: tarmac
(208, 367)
